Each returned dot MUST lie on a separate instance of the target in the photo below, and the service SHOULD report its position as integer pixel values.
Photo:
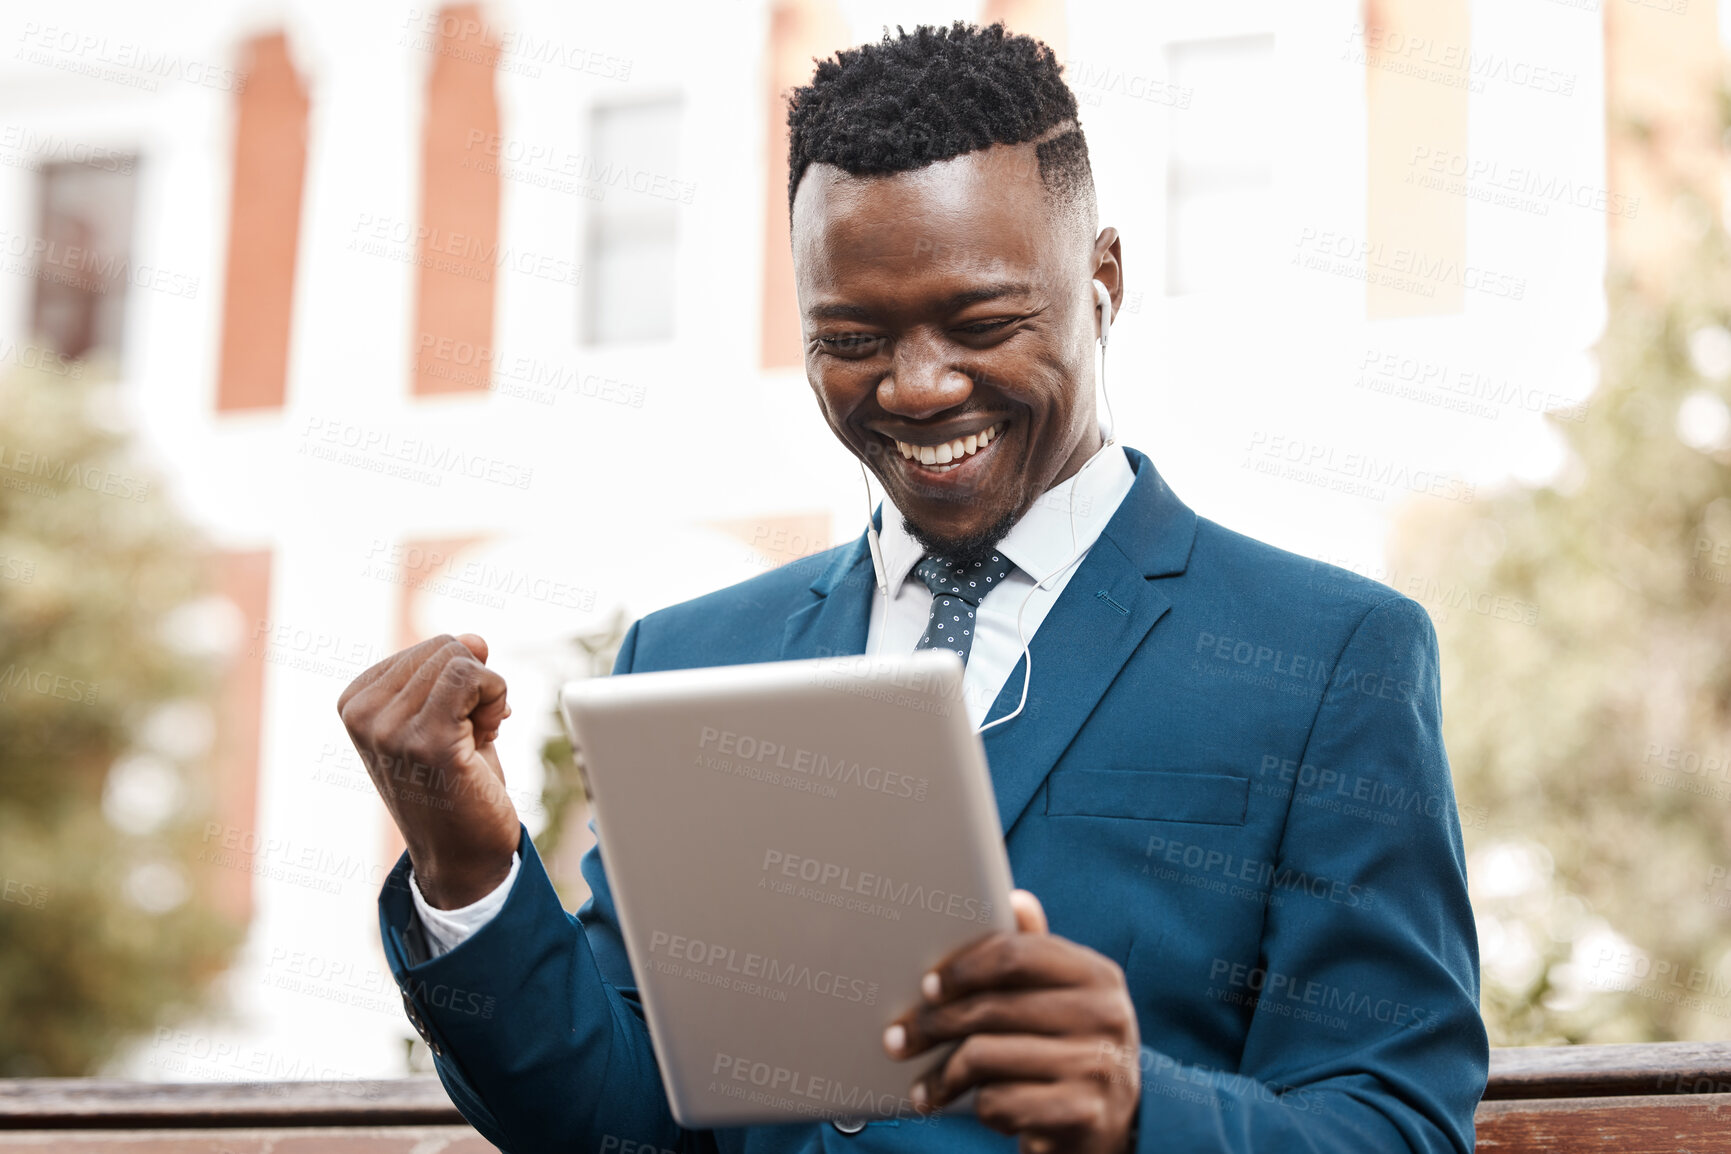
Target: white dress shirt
(448, 929)
(1046, 545)
(1041, 547)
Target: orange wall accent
(777, 538)
(799, 30)
(458, 246)
(430, 556)
(270, 160)
(1403, 112)
(244, 579)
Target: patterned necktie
(956, 593)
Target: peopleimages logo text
(845, 879)
(776, 755)
(763, 967)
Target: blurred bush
(1586, 642)
(104, 727)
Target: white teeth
(940, 457)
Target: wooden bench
(1663, 1098)
(1668, 1098)
(91, 1116)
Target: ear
(1108, 262)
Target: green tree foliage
(101, 933)
(1585, 628)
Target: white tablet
(791, 846)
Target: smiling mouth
(942, 458)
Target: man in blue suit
(1224, 780)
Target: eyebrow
(952, 303)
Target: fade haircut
(932, 94)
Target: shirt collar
(1040, 542)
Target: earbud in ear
(1103, 306)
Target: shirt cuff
(448, 929)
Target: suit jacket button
(852, 1126)
(415, 1020)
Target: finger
(1030, 914)
(1051, 1011)
(1017, 961)
(394, 722)
(994, 1058)
(1048, 1116)
(488, 724)
(466, 692)
(491, 709)
(384, 678)
(476, 644)
(390, 735)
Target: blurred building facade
(481, 318)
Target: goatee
(964, 551)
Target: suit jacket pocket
(1148, 795)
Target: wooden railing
(1647, 1099)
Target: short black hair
(919, 97)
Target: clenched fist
(423, 722)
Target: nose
(922, 381)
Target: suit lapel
(1097, 623)
(1105, 611)
(837, 621)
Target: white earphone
(877, 550)
(1102, 310)
(1103, 307)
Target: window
(84, 260)
(1220, 170)
(633, 229)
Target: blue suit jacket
(1229, 778)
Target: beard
(964, 551)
